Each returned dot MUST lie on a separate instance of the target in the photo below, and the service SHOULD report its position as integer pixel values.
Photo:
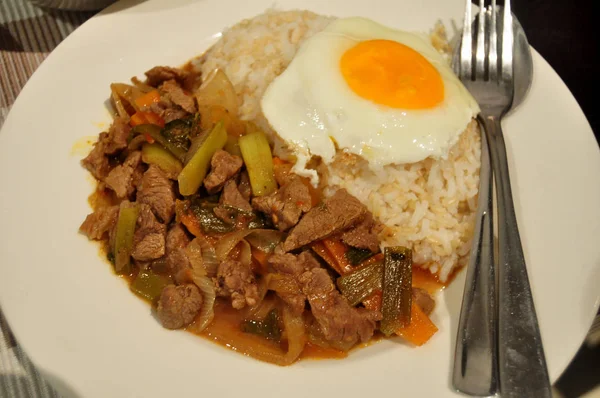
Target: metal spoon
(476, 355)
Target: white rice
(428, 206)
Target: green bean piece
(361, 282)
(259, 163)
(397, 289)
(149, 285)
(123, 245)
(195, 170)
(156, 154)
(154, 132)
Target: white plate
(93, 338)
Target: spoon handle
(522, 365)
(475, 358)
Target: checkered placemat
(27, 35)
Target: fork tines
(481, 57)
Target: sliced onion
(266, 306)
(196, 255)
(260, 348)
(209, 256)
(263, 288)
(245, 256)
(217, 90)
(125, 92)
(296, 334)
(207, 312)
(202, 255)
(265, 240)
(229, 241)
(119, 105)
(136, 142)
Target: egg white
(311, 106)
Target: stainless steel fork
(486, 70)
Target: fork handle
(522, 365)
(475, 358)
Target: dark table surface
(562, 32)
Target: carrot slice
(153, 118)
(321, 250)
(191, 223)
(147, 99)
(420, 329)
(373, 302)
(145, 118)
(261, 259)
(338, 251)
(372, 260)
(137, 119)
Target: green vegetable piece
(361, 282)
(259, 163)
(128, 214)
(158, 155)
(154, 132)
(209, 222)
(195, 170)
(356, 256)
(178, 132)
(149, 285)
(233, 146)
(397, 289)
(268, 328)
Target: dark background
(563, 32)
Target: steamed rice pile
(428, 206)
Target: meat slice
(364, 234)
(232, 197)
(244, 185)
(167, 110)
(157, 191)
(177, 238)
(179, 305)
(149, 237)
(159, 74)
(176, 259)
(290, 264)
(286, 205)
(283, 173)
(423, 300)
(236, 280)
(100, 222)
(223, 167)
(117, 136)
(171, 90)
(151, 247)
(96, 161)
(339, 322)
(120, 179)
(337, 213)
(288, 269)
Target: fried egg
(361, 87)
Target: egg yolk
(392, 74)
